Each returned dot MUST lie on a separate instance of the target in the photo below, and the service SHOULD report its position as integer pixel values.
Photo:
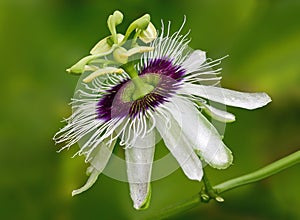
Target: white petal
(180, 147)
(202, 134)
(100, 157)
(139, 159)
(89, 183)
(228, 97)
(218, 114)
(194, 61)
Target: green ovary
(139, 87)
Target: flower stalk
(260, 174)
(210, 192)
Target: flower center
(156, 83)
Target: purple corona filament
(111, 104)
(164, 67)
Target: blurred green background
(39, 39)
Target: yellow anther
(103, 46)
(149, 34)
(139, 49)
(120, 55)
(107, 70)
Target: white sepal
(139, 159)
(98, 159)
(177, 143)
(218, 114)
(94, 173)
(194, 61)
(203, 136)
(227, 96)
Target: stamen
(107, 70)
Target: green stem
(129, 68)
(260, 174)
(178, 208)
(208, 192)
(257, 175)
